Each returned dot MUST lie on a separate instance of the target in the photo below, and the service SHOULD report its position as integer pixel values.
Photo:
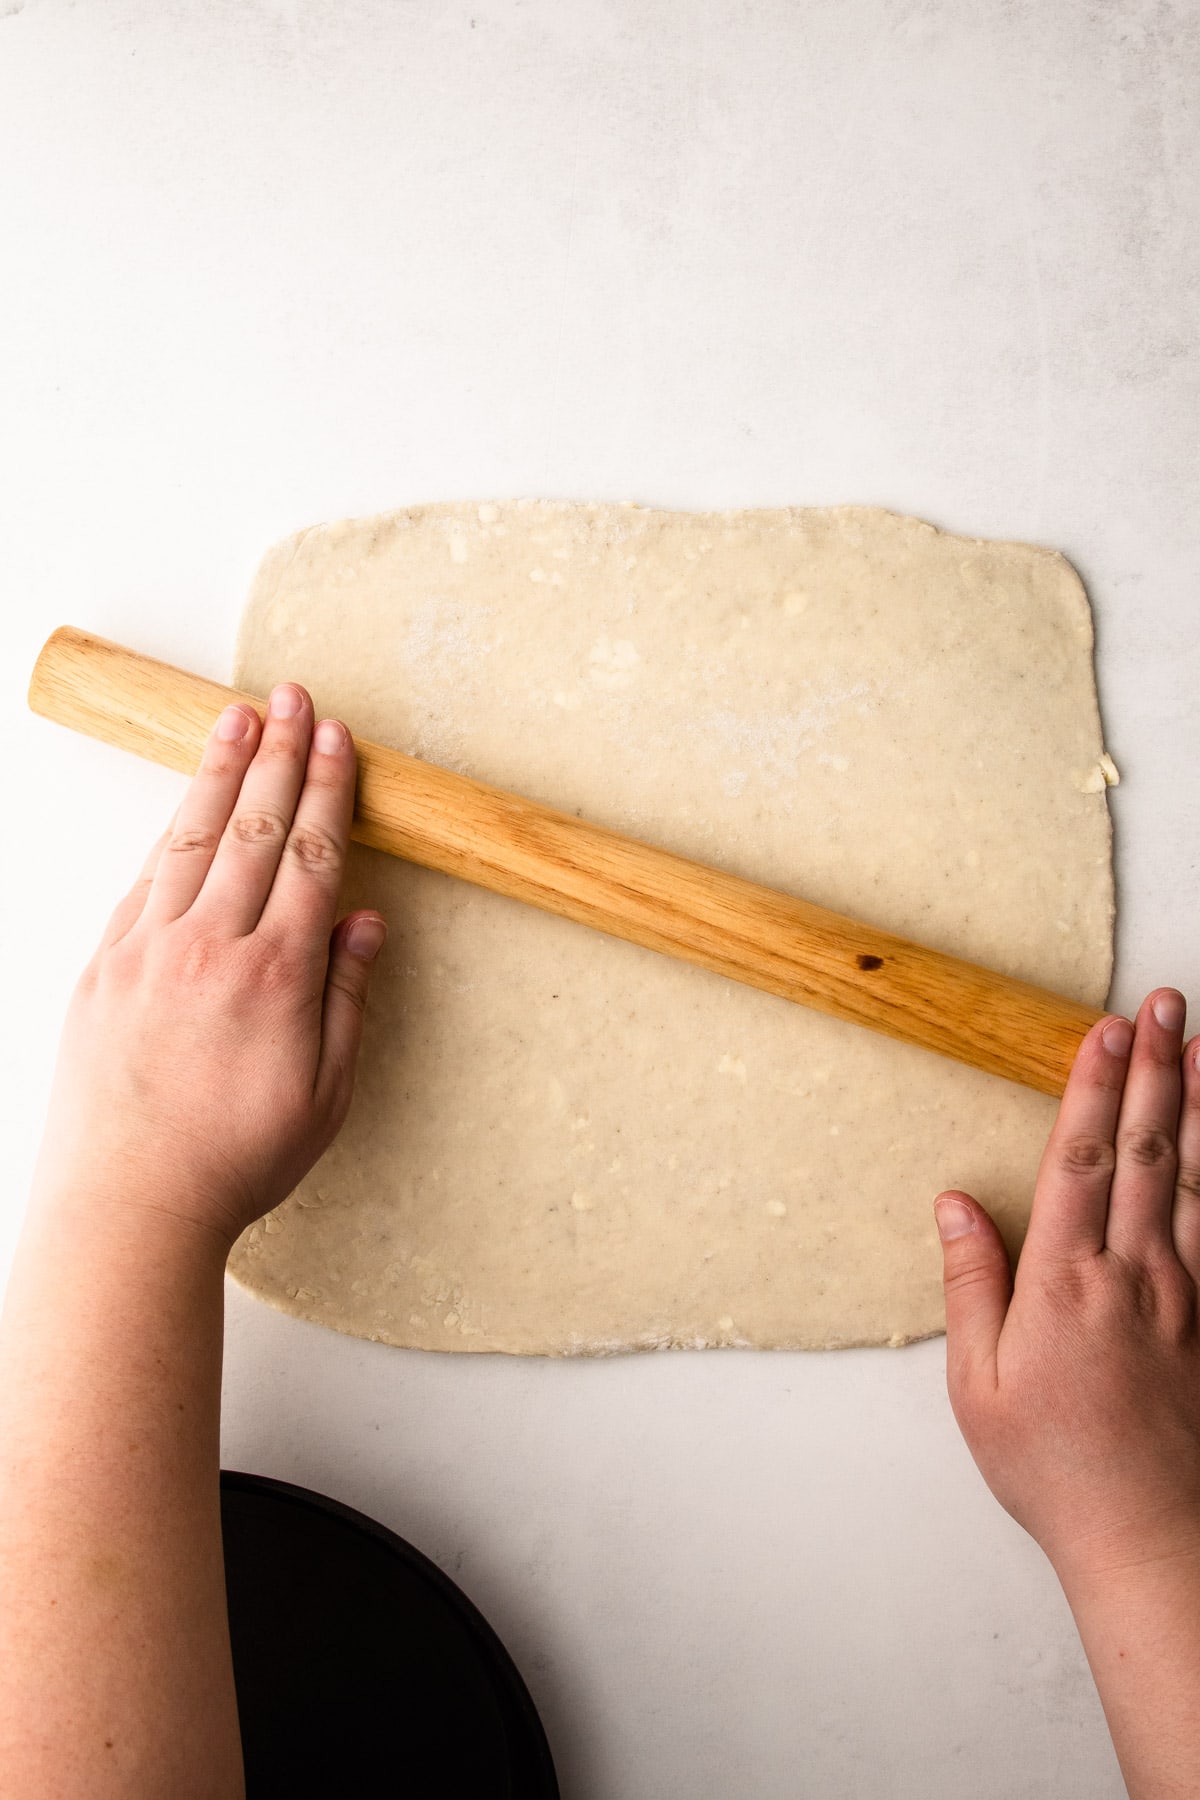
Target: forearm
(1141, 1630)
(113, 1631)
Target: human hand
(1078, 1387)
(209, 1049)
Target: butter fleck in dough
(564, 1144)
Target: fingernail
(1169, 1009)
(954, 1220)
(329, 737)
(365, 938)
(233, 724)
(286, 701)
(1117, 1036)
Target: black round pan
(360, 1668)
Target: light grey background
(276, 261)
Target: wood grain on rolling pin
(562, 864)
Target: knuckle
(353, 990)
(222, 759)
(282, 744)
(1147, 1146)
(330, 775)
(314, 848)
(258, 827)
(197, 961)
(1154, 1296)
(333, 785)
(1072, 1285)
(978, 1273)
(1187, 1180)
(271, 963)
(1086, 1155)
(193, 841)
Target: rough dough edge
(647, 1344)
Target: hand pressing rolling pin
(207, 1062)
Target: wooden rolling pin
(565, 865)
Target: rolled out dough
(562, 1143)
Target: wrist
(126, 1221)
(1163, 1549)
(106, 1296)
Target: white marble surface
(279, 261)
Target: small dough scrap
(565, 1144)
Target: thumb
(978, 1284)
(356, 942)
